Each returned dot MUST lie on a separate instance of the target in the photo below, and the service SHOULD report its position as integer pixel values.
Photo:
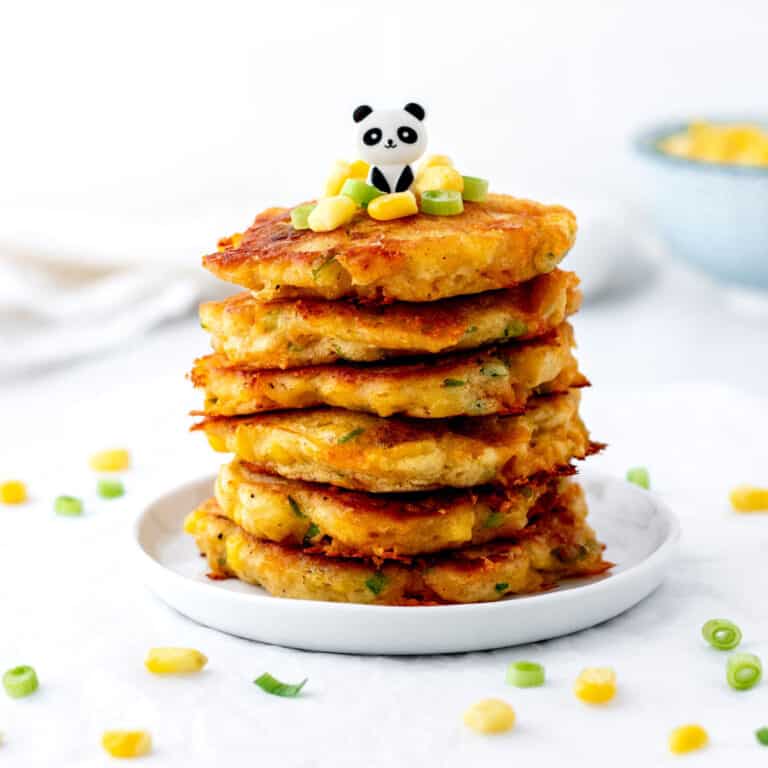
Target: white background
(142, 132)
(147, 129)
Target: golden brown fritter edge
(287, 334)
(494, 244)
(493, 380)
(557, 545)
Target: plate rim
(665, 549)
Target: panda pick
(391, 140)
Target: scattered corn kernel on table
(683, 392)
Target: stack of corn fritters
(403, 405)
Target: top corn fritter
(494, 244)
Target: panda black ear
(361, 113)
(416, 110)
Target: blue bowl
(714, 216)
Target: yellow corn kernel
(358, 169)
(126, 743)
(749, 498)
(394, 206)
(440, 177)
(490, 716)
(233, 241)
(342, 170)
(114, 460)
(431, 161)
(13, 492)
(332, 212)
(687, 738)
(595, 685)
(174, 661)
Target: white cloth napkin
(52, 312)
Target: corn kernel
(126, 743)
(394, 206)
(748, 498)
(358, 169)
(595, 685)
(114, 460)
(687, 738)
(13, 492)
(432, 160)
(233, 241)
(332, 212)
(490, 716)
(440, 177)
(174, 661)
(342, 170)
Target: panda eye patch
(407, 134)
(372, 137)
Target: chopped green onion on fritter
(475, 189)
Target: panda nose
(390, 144)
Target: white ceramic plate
(640, 531)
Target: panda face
(391, 136)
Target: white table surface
(680, 384)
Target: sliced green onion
(110, 489)
(300, 216)
(525, 674)
(68, 505)
(761, 734)
(312, 531)
(361, 192)
(441, 202)
(494, 370)
(272, 685)
(515, 328)
(20, 681)
(475, 189)
(295, 508)
(494, 520)
(351, 435)
(317, 270)
(376, 582)
(639, 476)
(721, 634)
(453, 382)
(743, 671)
(502, 586)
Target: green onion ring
(475, 189)
(20, 681)
(68, 505)
(360, 191)
(761, 734)
(525, 674)
(721, 634)
(743, 671)
(441, 202)
(300, 216)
